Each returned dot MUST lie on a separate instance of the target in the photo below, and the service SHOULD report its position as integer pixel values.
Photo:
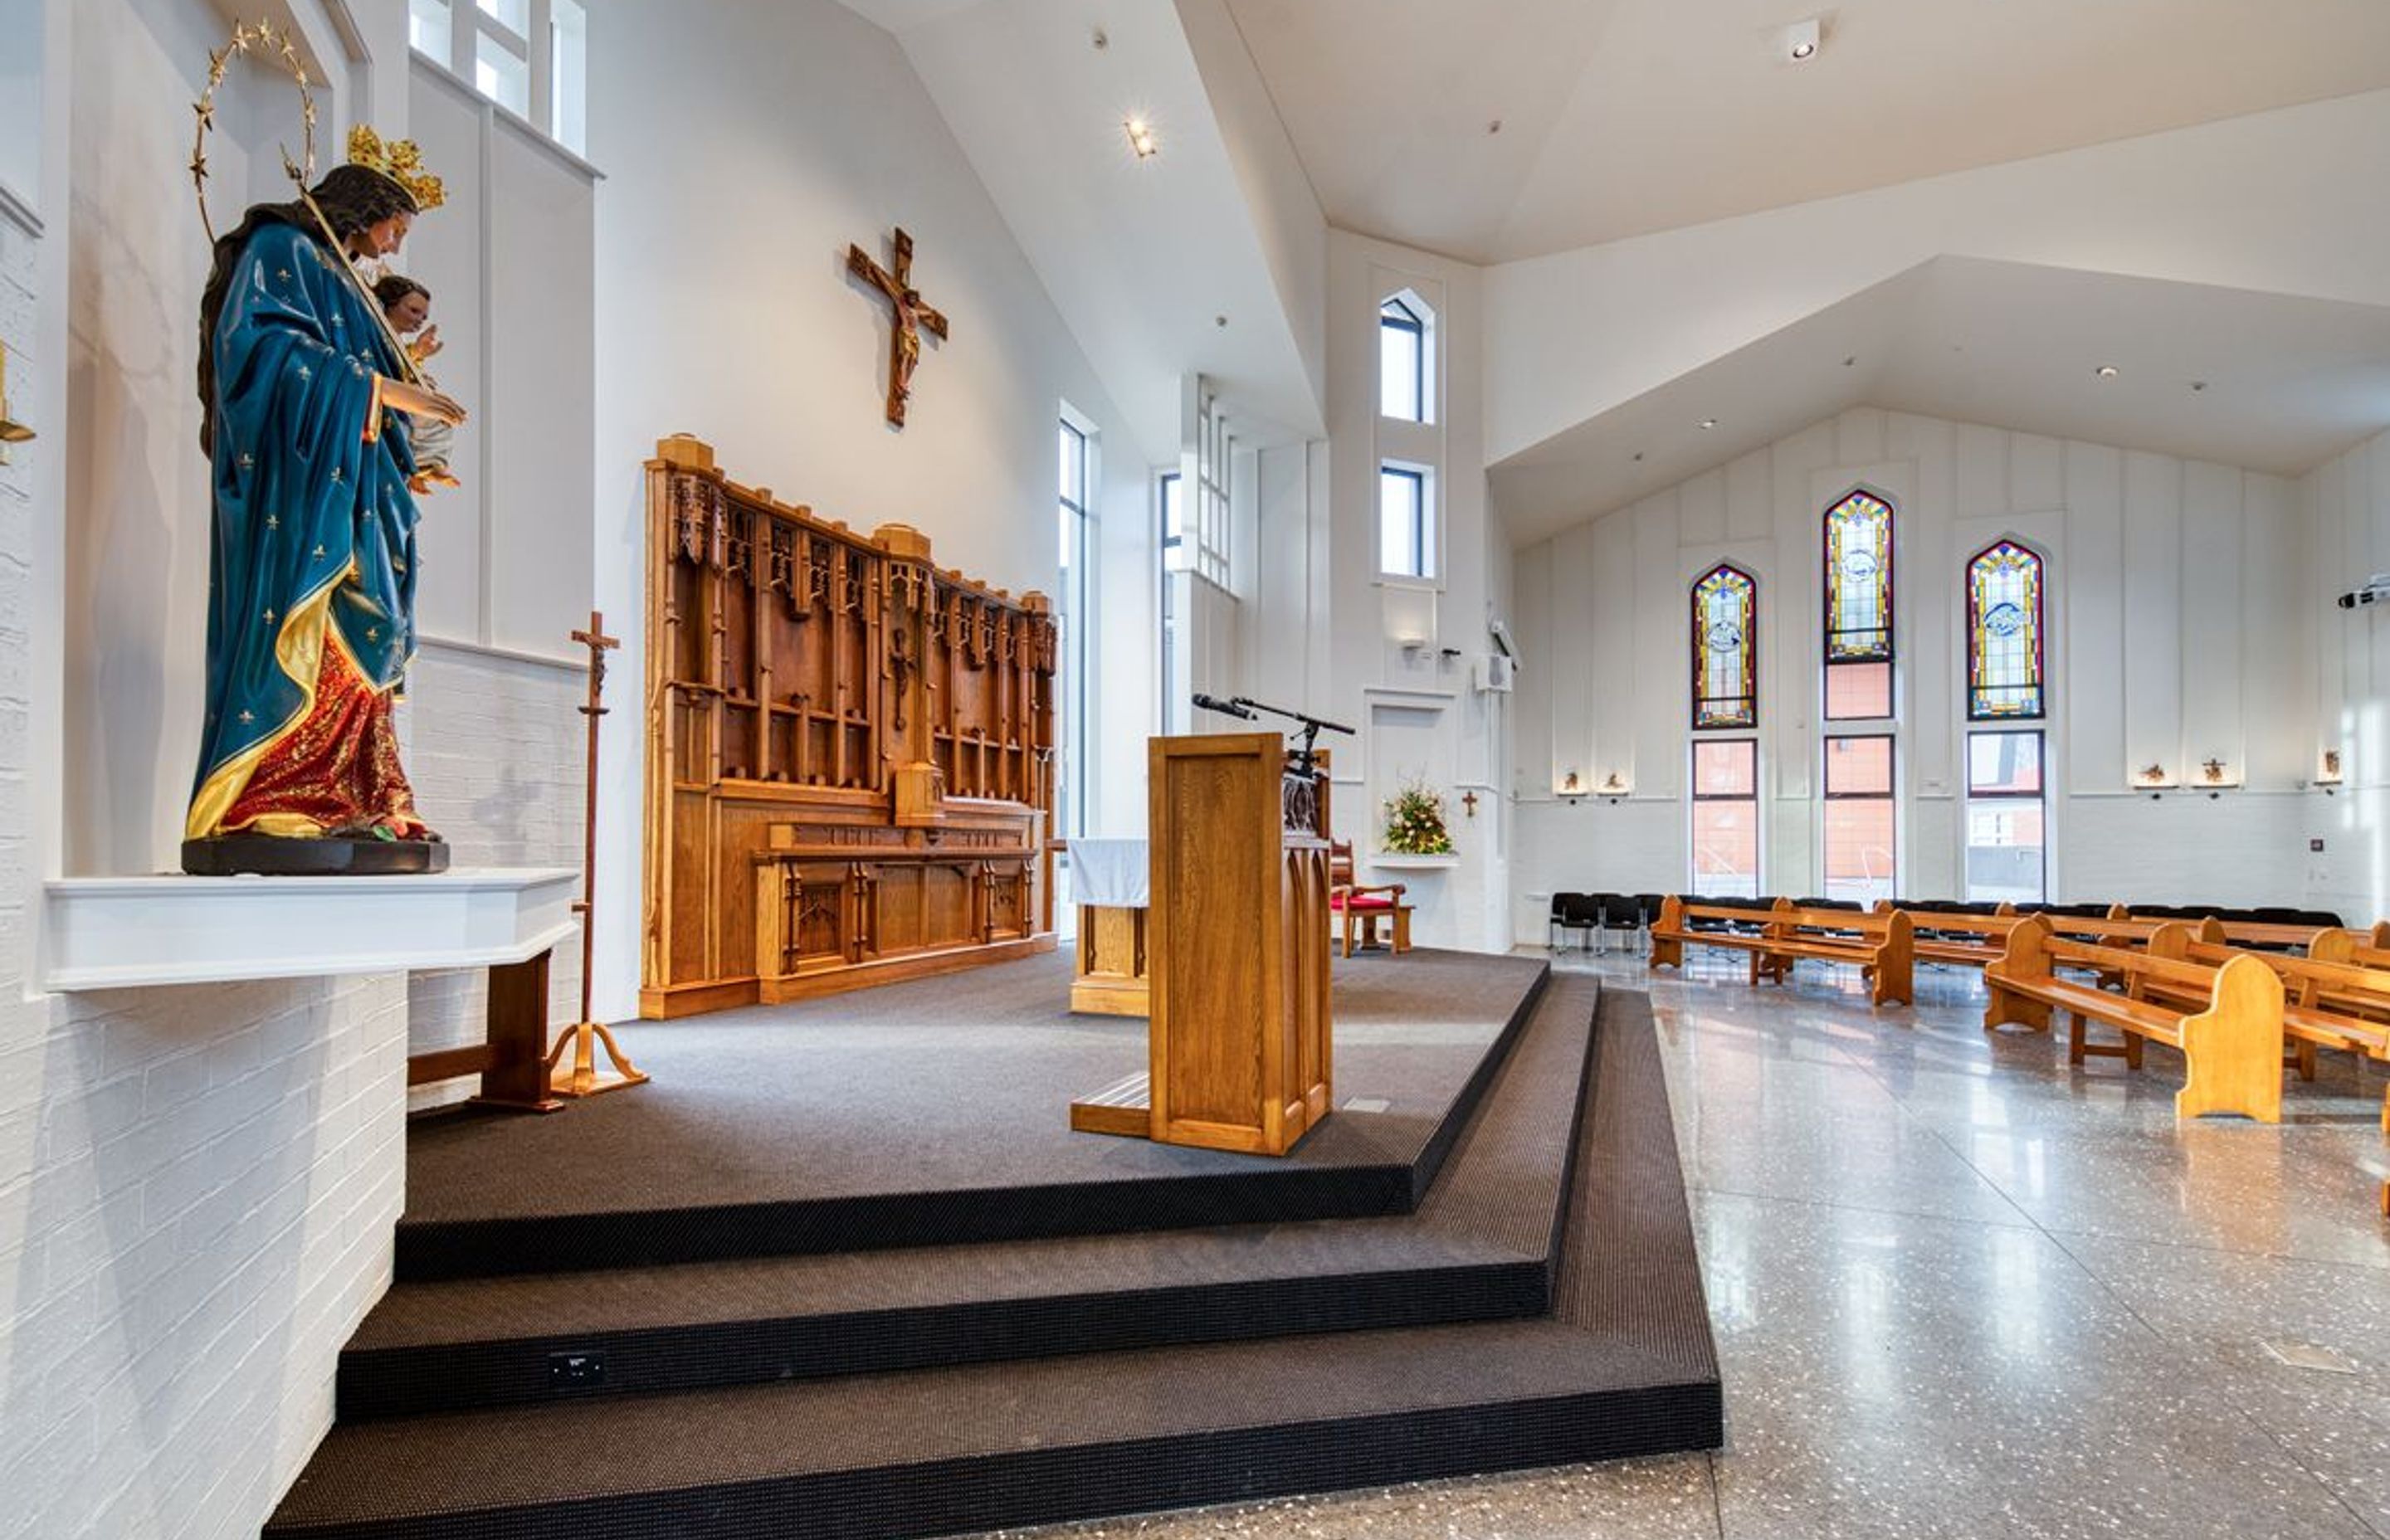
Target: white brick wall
(494, 747)
(197, 1185)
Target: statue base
(327, 855)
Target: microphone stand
(1311, 725)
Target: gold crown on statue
(399, 160)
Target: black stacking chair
(1566, 915)
(1621, 912)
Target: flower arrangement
(1415, 823)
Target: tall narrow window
(1726, 817)
(1725, 668)
(1858, 609)
(1406, 522)
(568, 85)
(1070, 688)
(1402, 362)
(1171, 497)
(2004, 630)
(2007, 842)
(1860, 818)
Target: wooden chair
(1351, 904)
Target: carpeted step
(1623, 1366)
(934, 1113)
(1480, 1248)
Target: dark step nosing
(1450, 1274)
(1128, 1476)
(390, 1382)
(1626, 1366)
(1276, 1193)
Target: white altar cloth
(1110, 873)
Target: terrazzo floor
(1962, 1290)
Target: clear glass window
(1725, 818)
(502, 74)
(1860, 818)
(2007, 818)
(1402, 362)
(1406, 530)
(428, 30)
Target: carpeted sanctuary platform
(1541, 1305)
(935, 1113)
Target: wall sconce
(11, 430)
(1613, 788)
(2152, 778)
(2216, 775)
(2329, 774)
(1571, 786)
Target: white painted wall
(507, 558)
(2345, 504)
(765, 139)
(2291, 201)
(2180, 629)
(197, 1185)
(1419, 715)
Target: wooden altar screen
(1238, 1043)
(849, 766)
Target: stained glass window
(1725, 658)
(2004, 632)
(1858, 580)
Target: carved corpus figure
(913, 316)
(311, 611)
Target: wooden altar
(849, 765)
(1238, 1046)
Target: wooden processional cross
(913, 318)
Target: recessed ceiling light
(1140, 139)
(1639, 456)
(1494, 127)
(1851, 360)
(1708, 423)
(2199, 384)
(2106, 371)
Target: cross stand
(586, 1079)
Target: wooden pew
(2233, 1050)
(2330, 999)
(1955, 937)
(1679, 927)
(1881, 942)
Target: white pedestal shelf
(122, 933)
(1389, 861)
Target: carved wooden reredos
(831, 713)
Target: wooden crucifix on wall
(913, 316)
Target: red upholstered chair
(1350, 903)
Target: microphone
(1225, 708)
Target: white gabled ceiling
(2286, 382)
(1146, 260)
(1623, 117)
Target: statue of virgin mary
(311, 609)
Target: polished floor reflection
(1963, 1288)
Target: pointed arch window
(1858, 609)
(1725, 656)
(1858, 580)
(2004, 634)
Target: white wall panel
(2212, 502)
(2086, 660)
(2152, 603)
(2276, 663)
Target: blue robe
(315, 527)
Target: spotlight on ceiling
(1801, 41)
(1708, 423)
(2106, 371)
(1140, 139)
